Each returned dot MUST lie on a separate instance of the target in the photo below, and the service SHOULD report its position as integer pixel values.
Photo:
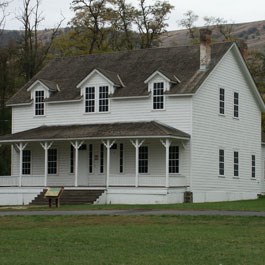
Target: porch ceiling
(151, 129)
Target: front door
(83, 167)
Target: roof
(131, 67)
(150, 129)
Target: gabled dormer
(97, 87)
(39, 91)
(159, 83)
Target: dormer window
(96, 99)
(158, 96)
(39, 103)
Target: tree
(34, 52)
(189, 23)
(91, 19)
(3, 5)
(221, 25)
(151, 21)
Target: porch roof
(150, 129)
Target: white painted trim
(38, 82)
(95, 71)
(64, 101)
(133, 97)
(20, 104)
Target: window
(90, 158)
(253, 166)
(236, 164)
(26, 162)
(39, 103)
(221, 162)
(90, 99)
(158, 95)
(72, 157)
(103, 99)
(52, 161)
(101, 158)
(173, 159)
(236, 105)
(97, 99)
(143, 159)
(121, 158)
(222, 101)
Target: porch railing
(115, 180)
(27, 181)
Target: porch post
(20, 147)
(137, 145)
(46, 146)
(167, 144)
(76, 146)
(108, 145)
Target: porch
(120, 155)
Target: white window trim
(219, 101)
(96, 86)
(221, 176)
(238, 164)
(164, 96)
(236, 118)
(30, 163)
(44, 104)
(254, 178)
(57, 163)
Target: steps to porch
(71, 196)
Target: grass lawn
(124, 240)
(248, 205)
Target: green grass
(248, 205)
(131, 240)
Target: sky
(235, 11)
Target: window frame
(236, 164)
(143, 157)
(221, 159)
(39, 103)
(26, 164)
(236, 105)
(156, 96)
(253, 166)
(90, 158)
(101, 159)
(121, 158)
(50, 168)
(93, 100)
(72, 159)
(221, 101)
(173, 165)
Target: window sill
(39, 116)
(221, 176)
(221, 115)
(236, 118)
(236, 177)
(91, 113)
(155, 110)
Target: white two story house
(147, 126)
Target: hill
(253, 33)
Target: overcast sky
(235, 11)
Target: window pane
(72, 155)
(173, 159)
(236, 105)
(236, 164)
(253, 166)
(90, 158)
(143, 159)
(39, 103)
(158, 95)
(90, 99)
(103, 98)
(52, 161)
(101, 158)
(221, 162)
(222, 101)
(26, 162)
(121, 158)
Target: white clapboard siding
(177, 113)
(211, 132)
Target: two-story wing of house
(144, 126)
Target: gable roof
(132, 67)
(130, 130)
